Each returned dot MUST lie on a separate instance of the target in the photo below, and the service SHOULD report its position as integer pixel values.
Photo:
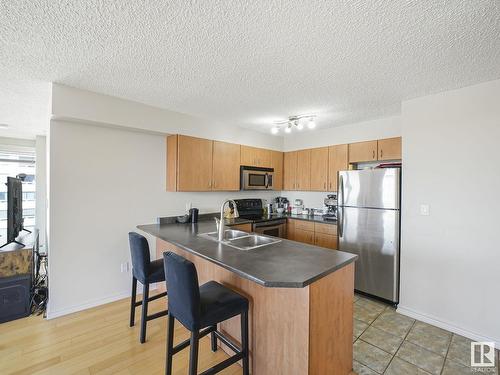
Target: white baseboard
(446, 325)
(91, 303)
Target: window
(11, 165)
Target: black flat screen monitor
(14, 208)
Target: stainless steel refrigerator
(369, 226)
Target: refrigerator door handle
(341, 188)
(340, 224)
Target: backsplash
(312, 199)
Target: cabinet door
(389, 149)
(304, 236)
(226, 166)
(255, 157)
(290, 229)
(194, 164)
(303, 170)
(248, 156)
(264, 158)
(362, 151)
(277, 164)
(319, 169)
(337, 161)
(325, 240)
(290, 170)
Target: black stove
(252, 209)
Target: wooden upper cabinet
(277, 164)
(389, 149)
(256, 157)
(319, 169)
(363, 151)
(194, 164)
(303, 179)
(289, 170)
(337, 161)
(226, 166)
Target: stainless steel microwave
(256, 178)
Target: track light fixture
(296, 122)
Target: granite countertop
(286, 264)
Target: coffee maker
(331, 207)
(282, 202)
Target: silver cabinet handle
(381, 153)
(373, 157)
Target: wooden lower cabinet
(312, 233)
(304, 236)
(325, 240)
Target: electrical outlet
(424, 210)
(124, 267)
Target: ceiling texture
(247, 62)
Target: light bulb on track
(311, 124)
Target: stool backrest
(139, 251)
(183, 290)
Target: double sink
(241, 240)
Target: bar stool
(146, 272)
(199, 309)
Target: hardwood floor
(96, 341)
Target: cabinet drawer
(325, 228)
(325, 240)
(304, 236)
(304, 225)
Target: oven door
(254, 179)
(275, 230)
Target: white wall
(41, 187)
(450, 259)
(69, 103)
(106, 175)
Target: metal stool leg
(132, 301)
(193, 355)
(244, 342)
(144, 317)
(213, 340)
(170, 344)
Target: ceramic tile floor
(389, 343)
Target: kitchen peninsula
(301, 297)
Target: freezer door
(377, 188)
(373, 235)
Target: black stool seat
(146, 272)
(219, 303)
(155, 273)
(200, 309)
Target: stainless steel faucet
(220, 221)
